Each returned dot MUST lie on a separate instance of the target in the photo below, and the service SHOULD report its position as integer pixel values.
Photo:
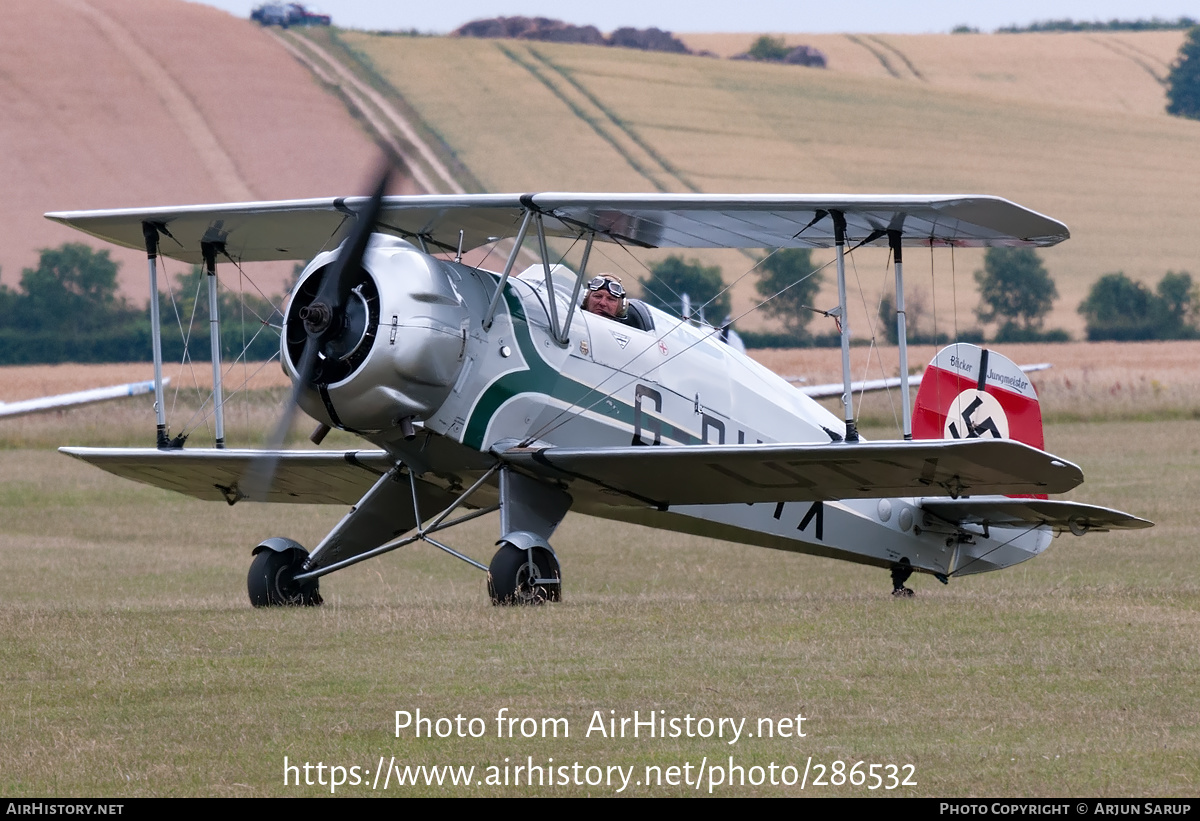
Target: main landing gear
(272, 578)
(525, 570)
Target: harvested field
(563, 117)
(1119, 72)
(126, 103)
(32, 381)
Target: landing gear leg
(525, 569)
(900, 574)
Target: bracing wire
(570, 411)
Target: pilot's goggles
(611, 285)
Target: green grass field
(134, 666)
(1068, 125)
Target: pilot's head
(606, 297)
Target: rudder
(969, 392)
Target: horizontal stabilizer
(303, 476)
(299, 229)
(721, 474)
(832, 389)
(1063, 516)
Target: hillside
(1120, 72)
(115, 103)
(1067, 124)
(122, 103)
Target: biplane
(479, 391)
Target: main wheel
(272, 583)
(513, 578)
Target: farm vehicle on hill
(288, 14)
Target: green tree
(790, 281)
(673, 277)
(1014, 287)
(244, 320)
(1120, 309)
(1178, 306)
(72, 290)
(8, 303)
(1183, 83)
(767, 47)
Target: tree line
(69, 309)
(1067, 24)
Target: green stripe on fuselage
(541, 379)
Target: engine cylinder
(393, 351)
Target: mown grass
(133, 665)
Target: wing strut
(490, 316)
(150, 233)
(587, 251)
(559, 326)
(901, 331)
(209, 251)
(839, 235)
(558, 331)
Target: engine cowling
(396, 350)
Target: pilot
(606, 297)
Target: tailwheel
(272, 578)
(520, 575)
(900, 574)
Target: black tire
(509, 576)
(271, 581)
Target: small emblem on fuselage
(622, 340)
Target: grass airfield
(134, 666)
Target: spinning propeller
(334, 323)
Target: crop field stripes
(907, 62)
(373, 118)
(178, 103)
(583, 108)
(619, 122)
(372, 99)
(1136, 56)
(879, 55)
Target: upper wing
(719, 474)
(68, 400)
(1061, 515)
(303, 476)
(299, 229)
